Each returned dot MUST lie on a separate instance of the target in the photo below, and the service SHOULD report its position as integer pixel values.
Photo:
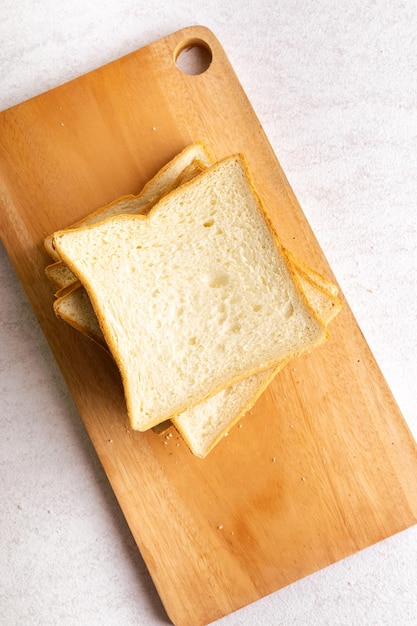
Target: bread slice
(193, 297)
(153, 189)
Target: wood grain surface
(323, 466)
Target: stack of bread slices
(189, 288)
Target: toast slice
(194, 296)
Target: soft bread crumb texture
(194, 296)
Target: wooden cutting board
(324, 464)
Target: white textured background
(334, 85)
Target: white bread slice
(212, 418)
(211, 297)
(151, 191)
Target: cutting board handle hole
(193, 57)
